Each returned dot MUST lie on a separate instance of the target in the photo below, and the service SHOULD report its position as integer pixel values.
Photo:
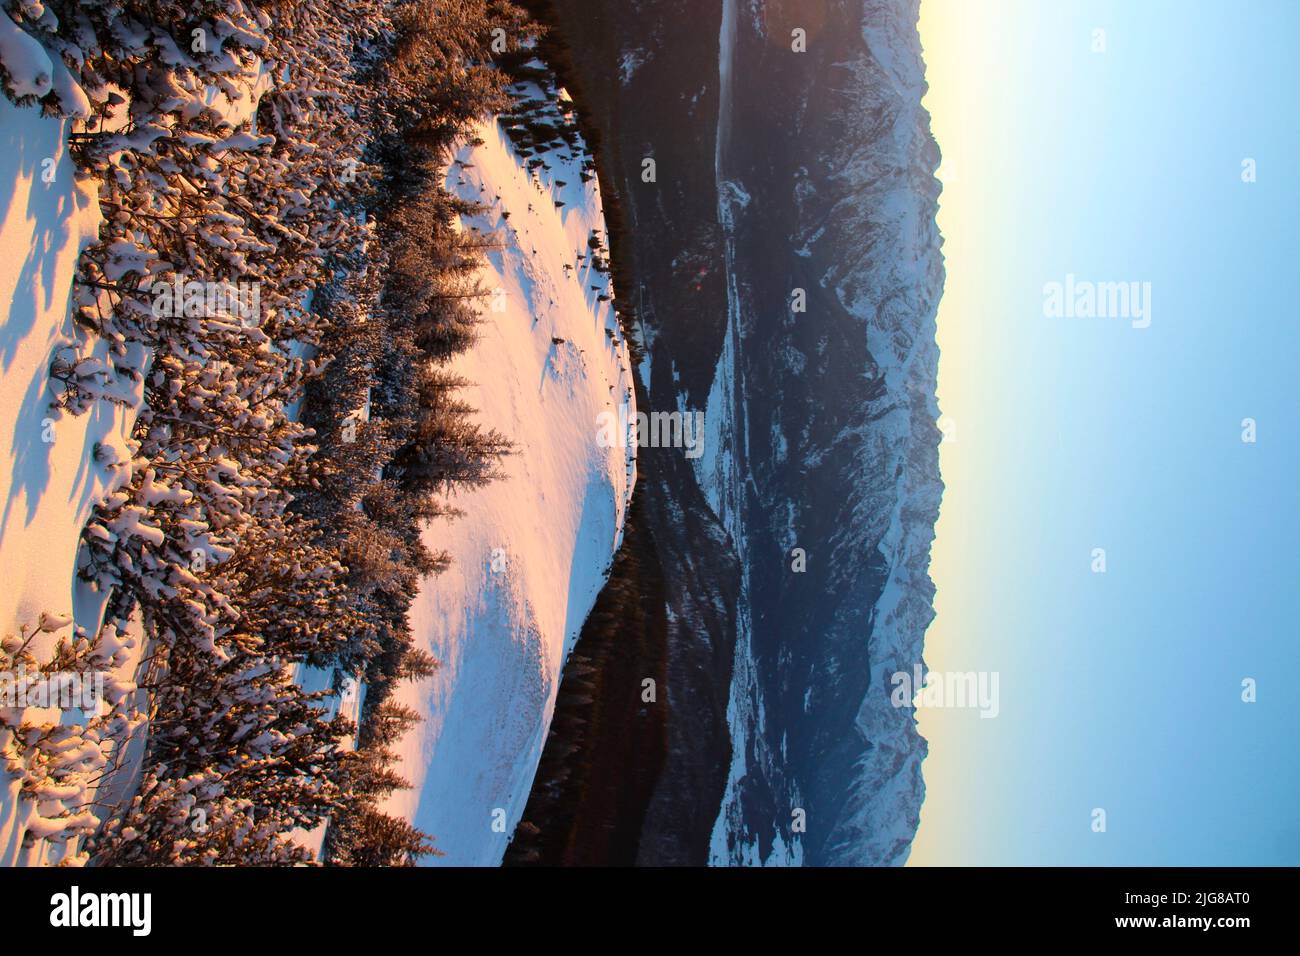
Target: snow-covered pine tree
(243, 256)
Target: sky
(1117, 157)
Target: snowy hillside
(244, 398)
(533, 549)
(48, 491)
(63, 466)
(59, 466)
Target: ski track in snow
(502, 631)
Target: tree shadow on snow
(26, 140)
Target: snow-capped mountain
(838, 441)
(789, 272)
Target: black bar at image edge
(219, 906)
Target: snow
(53, 479)
(715, 469)
(60, 466)
(533, 548)
(869, 216)
(629, 63)
(720, 477)
(532, 551)
(53, 476)
(30, 70)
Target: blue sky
(1121, 690)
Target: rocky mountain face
(788, 272)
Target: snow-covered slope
(52, 474)
(51, 480)
(532, 549)
(58, 466)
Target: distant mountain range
(788, 270)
